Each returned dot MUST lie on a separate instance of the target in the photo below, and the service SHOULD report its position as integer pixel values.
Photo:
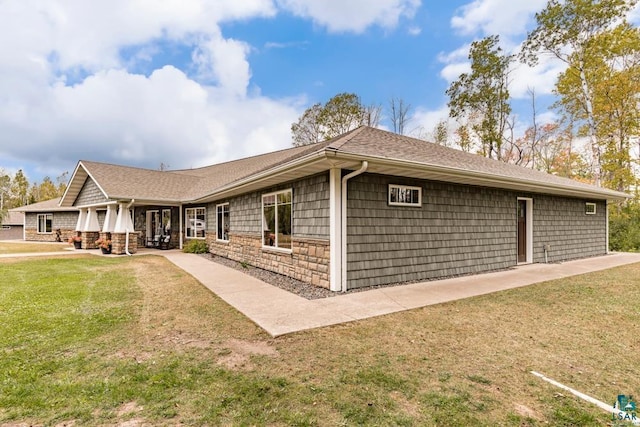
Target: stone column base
(89, 239)
(119, 240)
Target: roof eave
(463, 176)
(281, 173)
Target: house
(366, 208)
(46, 221)
(12, 226)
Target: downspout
(343, 222)
(126, 240)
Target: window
(45, 223)
(195, 222)
(222, 216)
(276, 219)
(590, 208)
(166, 222)
(403, 195)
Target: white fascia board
(261, 176)
(491, 180)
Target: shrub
(624, 227)
(196, 247)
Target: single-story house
(47, 221)
(366, 208)
(12, 227)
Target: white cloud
(353, 15)
(505, 17)
(424, 121)
(224, 61)
(68, 93)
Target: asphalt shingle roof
(123, 182)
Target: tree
(46, 190)
(569, 31)
(342, 113)
(481, 97)
(613, 71)
(399, 112)
(372, 114)
(19, 189)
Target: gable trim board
(363, 157)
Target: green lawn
(101, 341)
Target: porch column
(180, 234)
(91, 230)
(335, 230)
(109, 219)
(91, 222)
(82, 219)
(123, 220)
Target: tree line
(16, 191)
(597, 102)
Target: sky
(189, 83)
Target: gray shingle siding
(458, 230)
(90, 194)
(562, 224)
(59, 219)
(310, 208)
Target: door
(522, 231)
(154, 226)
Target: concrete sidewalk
(280, 312)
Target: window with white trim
(276, 219)
(222, 220)
(195, 222)
(590, 208)
(404, 195)
(45, 223)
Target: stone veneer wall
(31, 234)
(308, 262)
(119, 240)
(89, 239)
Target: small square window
(590, 208)
(404, 195)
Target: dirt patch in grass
(237, 353)
(31, 247)
(136, 341)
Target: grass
(102, 341)
(29, 247)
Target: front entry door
(522, 231)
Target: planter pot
(77, 245)
(106, 251)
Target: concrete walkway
(280, 312)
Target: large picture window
(195, 222)
(222, 219)
(45, 223)
(276, 219)
(403, 195)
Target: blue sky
(194, 82)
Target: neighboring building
(47, 221)
(12, 228)
(366, 208)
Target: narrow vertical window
(222, 219)
(276, 219)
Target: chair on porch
(153, 242)
(164, 242)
